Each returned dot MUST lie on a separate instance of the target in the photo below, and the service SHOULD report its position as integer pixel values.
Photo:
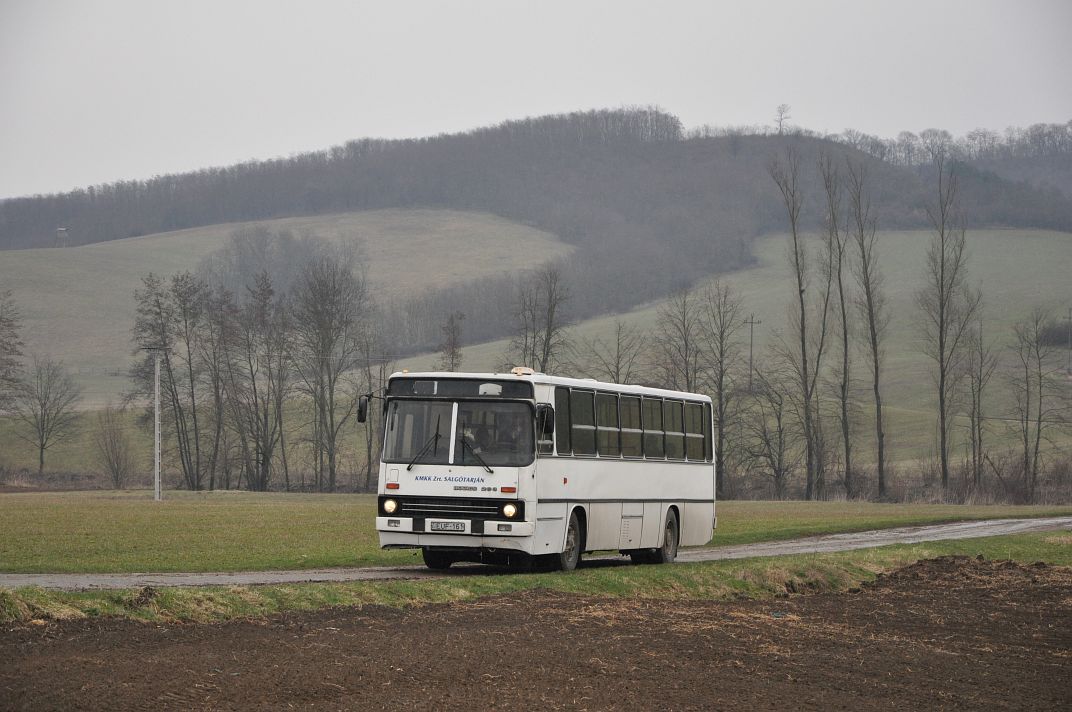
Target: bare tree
(450, 349)
(837, 241)
(1036, 386)
(257, 377)
(678, 344)
(553, 341)
(781, 115)
(721, 320)
(870, 300)
(805, 355)
(45, 404)
(946, 305)
(10, 347)
(617, 360)
(771, 445)
(328, 306)
(980, 364)
(212, 334)
(541, 336)
(115, 453)
(526, 323)
(172, 318)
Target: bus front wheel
(571, 554)
(438, 560)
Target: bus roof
(544, 379)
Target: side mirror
(545, 420)
(362, 409)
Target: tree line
(266, 348)
(794, 423)
(908, 148)
(250, 377)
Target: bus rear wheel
(666, 553)
(438, 560)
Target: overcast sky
(93, 91)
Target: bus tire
(438, 560)
(570, 556)
(666, 553)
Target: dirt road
(819, 544)
(954, 633)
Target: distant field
(1015, 269)
(235, 531)
(78, 302)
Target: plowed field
(947, 633)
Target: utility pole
(156, 439)
(751, 338)
(157, 494)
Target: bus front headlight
(509, 511)
(389, 506)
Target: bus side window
(583, 423)
(694, 431)
(631, 432)
(607, 425)
(707, 431)
(653, 428)
(545, 444)
(673, 423)
(562, 421)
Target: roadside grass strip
(718, 580)
(126, 532)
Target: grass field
(78, 303)
(1015, 269)
(232, 531)
(716, 580)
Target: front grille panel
(452, 507)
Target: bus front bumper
(426, 531)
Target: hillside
(78, 302)
(1045, 172)
(1015, 269)
(648, 207)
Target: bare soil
(949, 633)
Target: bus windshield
(500, 433)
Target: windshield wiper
(434, 439)
(466, 443)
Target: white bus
(498, 468)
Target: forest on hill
(579, 175)
(650, 207)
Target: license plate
(447, 526)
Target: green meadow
(112, 532)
